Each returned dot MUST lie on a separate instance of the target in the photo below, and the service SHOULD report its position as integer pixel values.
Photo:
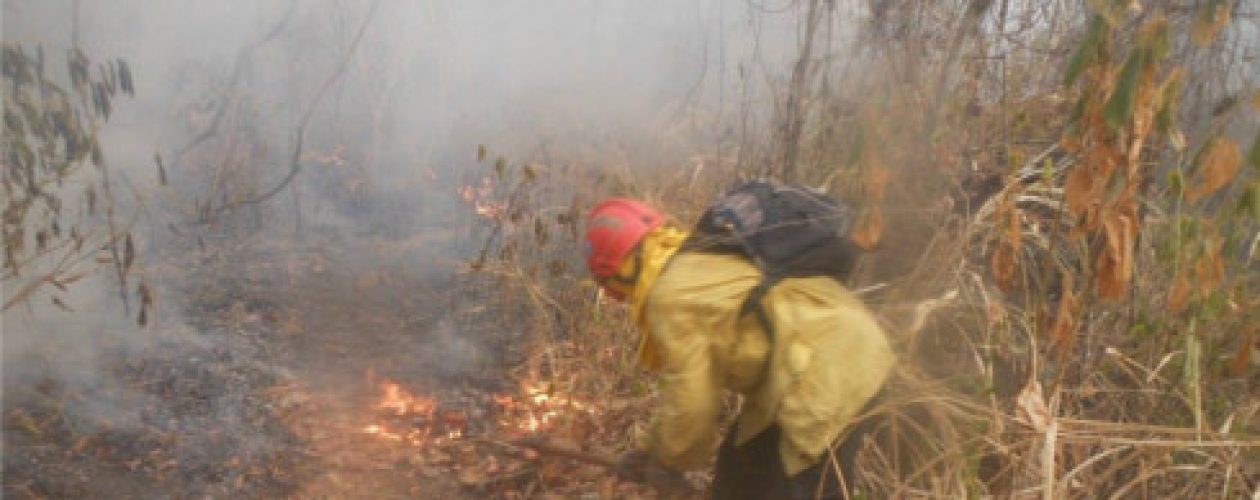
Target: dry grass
(995, 395)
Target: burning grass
(491, 442)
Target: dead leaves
(1242, 360)
(1005, 260)
(1079, 190)
(1062, 332)
(1179, 294)
(1220, 163)
(1114, 264)
(1031, 408)
(1210, 269)
(1207, 270)
(1211, 18)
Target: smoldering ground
(271, 287)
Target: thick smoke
(400, 96)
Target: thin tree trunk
(794, 112)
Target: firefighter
(800, 389)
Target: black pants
(754, 471)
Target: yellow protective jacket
(828, 358)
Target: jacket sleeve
(683, 432)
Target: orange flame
(403, 403)
(540, 409)
(397, 402)
(537, 408)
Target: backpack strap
(753, 303)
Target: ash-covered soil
(174, 419)
(267, 388)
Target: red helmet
(615, 227)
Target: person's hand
(638, 466)
(633, 466)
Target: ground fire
(419, 420)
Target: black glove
(633, 466)
(638, 466)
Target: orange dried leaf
(1242, 360)
(1079, 190)
(1004, 265)
(1210, 269)
(1062, 333)
(1114, 266)
(1005, 260)
(1179, 294)
(1211, 19)
(1219, 166)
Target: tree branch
(294, 164)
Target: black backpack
(786, 230)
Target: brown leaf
(1079, 190)
(1004, 265)
(1063, 332)
(1242, 360)
(1179, 295)
(1031, 408)
(1219, 166)
(1005, 260)
(1114, 265)
(1210, 269)
(1209, 21)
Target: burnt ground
(269, 393)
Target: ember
(480, 197)
(408, 417)
(418, 420)
(403, 403)
(539, 410)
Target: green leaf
(1155, 38)
(1120, 106)
(1190, 370)
(1246, 202)
(1087, 52)
(1166, 116)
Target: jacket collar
(655, 251)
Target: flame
(403, 403)
(397, 403)
(540, 408)
(416, 420)
(481, 197)
(379, 431)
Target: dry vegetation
(1062, 200)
